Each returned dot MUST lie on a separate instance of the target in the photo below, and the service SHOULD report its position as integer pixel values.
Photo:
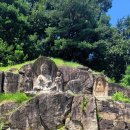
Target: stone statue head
(44, 69)
(59, 73)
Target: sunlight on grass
(16, 97)
(17, 66)
(58, 61)
(119, 96)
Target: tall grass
(16, 97)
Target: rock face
(11, 82)
(65, 98)
(45, 112)
(113, 115)
(83, 114)
(77, 80)
(1, 81)
(25, 78)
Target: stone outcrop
(1, 81)
(63, 98)
(83, 114)
(45, 112)
(113, 115)
(25, 78)
(77, 80)
(10, 82)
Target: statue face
(58, 74)
(100, 86)
(44, 69)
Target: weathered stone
(100, 88)
(77, 80)
(11, 82)
(106, 125)
(44, 112)
(113, 88)
(44, 71)
(6, 108)
(25, 78)
(1, 81)
(113, 115)
(83, 114)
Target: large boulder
(25, 78)
(1, 81)
(113, 115)
(83, 114)
(78, 80)
(47, 111)
(11, 82)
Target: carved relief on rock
(100, 87)
(44, 72)
(58, 83)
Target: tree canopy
(71, 29)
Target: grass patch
(17, 66)
(119, 96)
(16, 97)
(59, 62)
(84, 104)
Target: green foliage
(17, 97)
(126, 78)
(84, 104)
(73, 30)
(61, 128)
(119, 96)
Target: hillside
(58, 62)
(44, 96)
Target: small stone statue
(59, 81)
(100, 87)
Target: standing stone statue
(58, 83)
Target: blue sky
(120, 8)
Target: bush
(126, 79)
(119, 96)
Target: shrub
(119, 96)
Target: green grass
(119, 96)
(59, 62)
(16, 97)
(17, 66)
(84, 104)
